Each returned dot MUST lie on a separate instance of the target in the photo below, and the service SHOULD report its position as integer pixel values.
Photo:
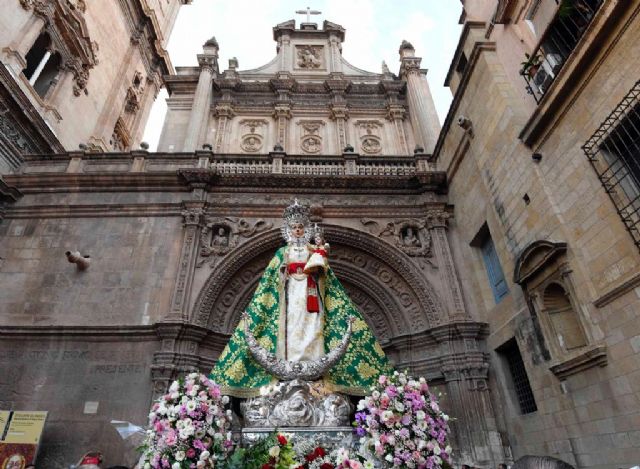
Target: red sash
(313, 305)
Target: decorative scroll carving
(410, 235)
(311, 138)
(220, 235)
(309, 57)
(297, 403)
(134, 94)
(370, 138)
(252, 135)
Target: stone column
(201, 102)
(340, 114)
(193, 218)
(282, 114)
(336, 63)
(437, 223)
(224, 113)
(396, 113)
(422, 111)
(285, 53)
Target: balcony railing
(558, 42)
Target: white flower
(174, 387)
(274, 451)
(192, 375)
(200, 433)
(375, 394)
(399, 406)
(386, 415)
(445, 417)
(420, 415)
(180, 455)
(447, 449)
(191, 406)
(437, 450)
(361, 405)
(368, 465)
(225, 400)
(200, 464)
(175, 465)
(147, 465)
(389, 457)
(422, 380)
(204, 455)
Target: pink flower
(382, 379)
(171, 438)
(191, 453)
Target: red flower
(267, 466)
(326, 465)
(282, 440)
(319, 452)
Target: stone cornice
(141, 24)
(87, 333)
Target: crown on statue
(296, 213)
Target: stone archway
(388, 288)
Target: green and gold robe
(238, 373)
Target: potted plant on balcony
(531, 65)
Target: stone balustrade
(225, 164)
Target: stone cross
(308, 12)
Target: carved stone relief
(309, 57)
(221, 235)
(391, 292)
(311, 136)
(411, 235)
(252, 131)
(369, 134)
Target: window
(510, 354)
(43, 65)
(614, 153)
(563, 318)
(462, 64)
(491, 261)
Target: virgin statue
(300, 311)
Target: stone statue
(410, 239)
(220, 238)
(299, 313)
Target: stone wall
(586, 415)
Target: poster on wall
(20, 433)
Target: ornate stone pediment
(535, 257)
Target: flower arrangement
(272, 452)
(188, 426)
(401, 424)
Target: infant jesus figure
(317, 262)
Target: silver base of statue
(297, 403)
(327, 437)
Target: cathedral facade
(493, 257)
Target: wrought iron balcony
(557, 43)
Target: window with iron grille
(521, 386)
(614, 153)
